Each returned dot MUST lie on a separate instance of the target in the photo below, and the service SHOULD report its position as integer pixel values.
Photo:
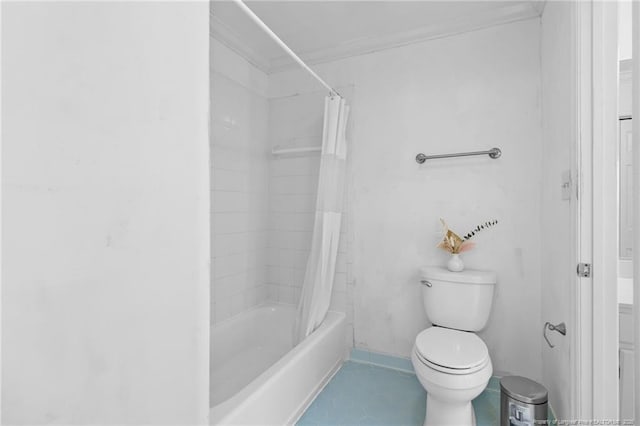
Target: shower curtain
(321, 264)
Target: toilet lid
(451, 349)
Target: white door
(626, 190)
(626, 385)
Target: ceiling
(320, 31)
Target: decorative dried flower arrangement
(454, 244)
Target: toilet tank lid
(468, 276)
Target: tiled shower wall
(263, 206)
(240, 179)
(296, 122)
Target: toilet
(451, 362)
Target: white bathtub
(256, 376)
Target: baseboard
(382, 360)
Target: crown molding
(509, 13)
(225, 35)
(504, 15)
(538, 6)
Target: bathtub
(256, 375)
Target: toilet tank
(458, 300)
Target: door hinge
(584, 270)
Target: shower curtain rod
(282, 44)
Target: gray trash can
(523, 402)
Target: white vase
(455, 263)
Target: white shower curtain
(321, 264)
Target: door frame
(595, 305)
(636, 201)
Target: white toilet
(450, 360)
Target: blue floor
(364, 394)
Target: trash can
(523, 402)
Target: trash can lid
(524, 390)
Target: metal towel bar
(493, 153)
(560, 328)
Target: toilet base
(447, 413)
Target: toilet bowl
(451, 362)
(454, 368)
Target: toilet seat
(451, 351)
(447, 370)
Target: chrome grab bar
(493, 153)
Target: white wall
(240, 182)
(470, 91)
(625, 26)
(557, 140)
(105, 213)
(625, 90)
